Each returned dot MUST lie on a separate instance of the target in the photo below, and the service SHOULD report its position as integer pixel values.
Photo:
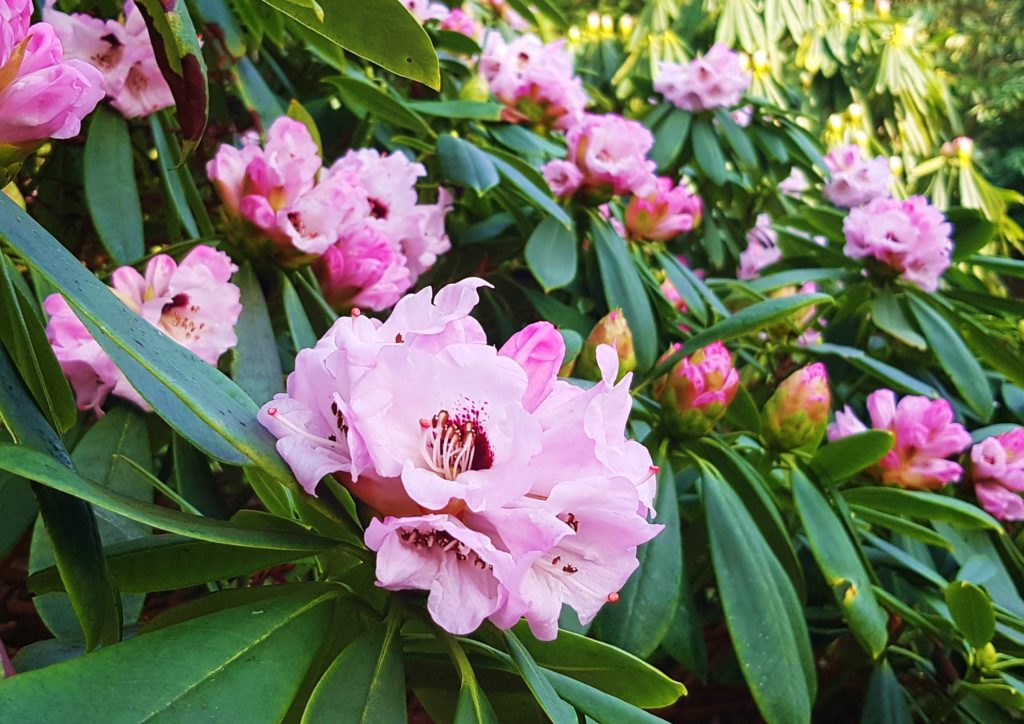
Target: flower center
(444, 542)
(378, 209)
(450, 447)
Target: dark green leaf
(895, 378)
(971, 231)
(173, 178)
(885, 702)
(887, 311)
(467, 110)
(110, 189)
(557, 710)
(919, 504)
(972, 612)
(596, 704)
(753, 319)
(551, 254)
(676, 273)
(670, 136)
(465, 164)
(18, 510)
(737, 139)
(536, 194)
(255, 364)
(389, 109)
(299, 326)
(847, 456)
(900, 525)
(707, 151)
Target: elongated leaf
(110, 189)
(468, 110)
(707, 151)
(674, 270)
(537, 195)
(889, 316)
(465, 164)
(551, 254)
(18, 511)
(255, 365)
(918, 504)
(972, 612)
(737, 138)
(847, 456)
(670, 136)
(841, 566)
(557, 710)
(299, 325)
(37, 466)
(173, 177)
(382, 31)
(893, 377)
(641, 617)
(885, 702)
(389, 109)
(950, 350)
(768, 630)
(623, 287)
(598, 705)
(971, 231)
(216, 659)
(753, 319)
(473, 707)
(366, 683)
(900, 525)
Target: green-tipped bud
(697, 391)
(476, 89)
(796, 414)
(612, 330)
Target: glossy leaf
(972, 612)
(920, 504)
(537, 195)
(255, 364)
(887, 311)
(468, 110)
(18, 511)
(551, 254)
(670, 136)
(110, 189)
(885, 702)
(596, 704)
(891, 376)
(465, 164)
(840, 460)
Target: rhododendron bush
(385, 361)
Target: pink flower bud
(671, 210)
(613, 330)
(997, 469)
(697, 391)
(539, 349)
(796, 414)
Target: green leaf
(473, 707)
(753, 319)
(255, 364)
(465, 164)
(670, 136)
(538, 196)
(768, 630)
(389, 109)
(180, 58)
(900, 525)
(42, 468)
(596, 704)
(381, 31)
(298, 112)
(366, 683)
(18, 511)
(169, 562)
(887, 311)
(217, 658)
(919, 504)
(838, 461)
(885, 702)
(972, 612)
(110, 189)
(23, 334)
(557, 710)
(737, 139)
(174, 176)
(465, 110)
(647, 603)
(971, 231)
(623, 287)
(299, 326)
(551, 254)
(707, 151)
(676, 273)
(959, 364)
(841, 566)
(893, 377)
(613, 671)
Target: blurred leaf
(537, 195)
(885, 702)
(737, 138)
(707, 151)
(465, 164)
(972, 612)
(298, 112)
(110, 189)
(920, 504)
(551, 254)
(887, 311)
(676, 272)
(467, 110)
(840, 460)
(891, 376)
(255, 364)
(670, 136)
(389, 109)
(753, 319)
(971, 232)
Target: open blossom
(910, 236)
(563, 177)
(43, 94)
(856, 180)
(925, 435)
(193, 303)
(997, 469)
(534, 79)
(503, 492)
(795, 184)
(762, 249)
(698, 390)
(714, 80)
(797, 412)
(123, 52)
(610, 154)
(671, 210)
(424, 10)
(459, 21)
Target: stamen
(328, 441)
(448, 447)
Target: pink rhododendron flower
(743, 116)
(714, 80)
(762, 249)
(925, 435)
(363, 270)
(193, 303)
(504, 492)
(911, 237)
(563, 177)
(459, 21)
(698, 390)
(610, 154)
(671, 210)
(122, 52)
(856, 180)
(424, 10)
(42, 94)
(997, 469)
(534, 79)
(794, 184)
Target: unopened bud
(796, 414)
(476, 89)
(612, 330)
(697, 391)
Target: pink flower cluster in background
(193, 303)
(762, 249)
(714, 80)
(607, 155)
(43, 94)
(856, 180)
(925, 436)
(997, 469)
(670, 211)
(534, 79)
(455, 19)
(910, 236)
(503, 491)
(124, 54)
(359, 221)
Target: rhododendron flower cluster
(124, 54)
(502, 491)
(856, 180)
(671, 210)
(924, 436)
(997, 470)
(762, 249)
(360, 220)
(909, 236)
(43, 94)
(534, 79)
(698, 390)
(193, 303)
(607, 155)
(715, 80)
